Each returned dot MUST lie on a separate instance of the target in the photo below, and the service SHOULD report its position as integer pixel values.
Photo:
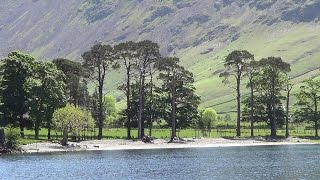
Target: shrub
(12, 135)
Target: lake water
(261, 162)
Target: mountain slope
(201, 33)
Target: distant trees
(235, 64)
(308, 102)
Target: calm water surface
(262, 162)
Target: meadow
(261, 130)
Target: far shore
(119, 144)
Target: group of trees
(40, 94)
(269, 92)
(35, 94)
(156, 88)
(30, 92)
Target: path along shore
(120, 144)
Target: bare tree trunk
(316, 117)
(287, 113)
(64, 141)
(2, 137)
(238, 108)
(140, 107)
(173, 114)
(100, 110)
(273, 121)
(21, 122)
(49, 132)
(36, 130)
(128, 106)
(251, 110)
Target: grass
(121, 133)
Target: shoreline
(111, 145)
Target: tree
(271, 79)
(72, 119)
(98, 60)
(177, 84)
(16, 69)
(73, 73)
(252, 71)
(209, 118)
(147, 54)
(308, 100)
(235, 64)
(126, 54)
(46, 94)
(111, 110)
(288, 88)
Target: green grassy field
(120, 133)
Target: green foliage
(75, 91)
(111, 110)
(209, 118)
(11, 138)
(308, 103)
(178, 88)
(46, 94)
(16, 71)
(72, 119)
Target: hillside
(201, 33)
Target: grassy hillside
(201, 33)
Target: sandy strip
(95, 145)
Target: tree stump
(2, 137)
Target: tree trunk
(150, 130)
(100, 110)
(173, 117)
(2, 137)
(274, 117)
(21, 126)
(64, 141)
(49, 132)
(273, 121)
(251, 110)
(128, 105)
(141, 98)
(238, 108)
(140, 107)
(287, 114)
(150, 108)
(36, 130)
(316, 116)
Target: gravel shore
(120, 144)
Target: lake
(260, 162)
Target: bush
(12, 135)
